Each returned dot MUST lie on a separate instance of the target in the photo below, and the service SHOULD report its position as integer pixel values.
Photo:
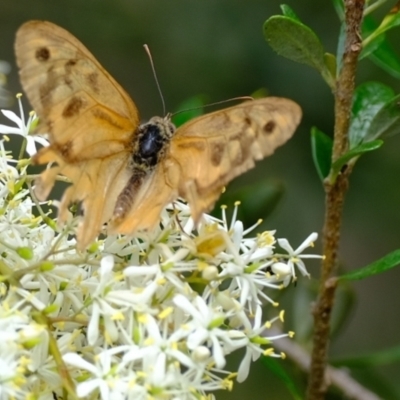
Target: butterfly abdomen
(127, 196)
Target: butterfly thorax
(151, 143)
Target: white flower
(23, 129)
(203, 327)
(295, 256)
(104, 375)
(154, 315)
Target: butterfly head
(164, 126)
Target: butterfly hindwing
(213, 149)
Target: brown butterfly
(123, 173)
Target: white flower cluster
(153, 316)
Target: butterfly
(124, 173)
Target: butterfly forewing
(79, 103)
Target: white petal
(107, 264)
(218, 353)
(13, 117)
(307, 243)
(93, 327)
(285, 245)
(78, 362)
(244, 367)
(30, 146)
(10, 130)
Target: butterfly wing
(79, 104)
(88, 116)
(208, 152)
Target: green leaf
(389, 22)
(276, 367)
(296, 41)
(368, 99)
(352, 154)
(371, 46)
(380, 52)
(288, 12)
(385, 263)
(339, 7)
(369, 26)
(387, 59)
(321, 147)
(189, 109)
(386, 122)
(384, 56)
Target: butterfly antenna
(155, 76)
(214, 104)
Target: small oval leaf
(352, 154)
(386, 122)
(294, 40)
(368, 99)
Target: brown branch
(334, 199)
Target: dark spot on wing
(70, 63)
(49, 125)
(73, 107)
(68, 71)
(64, 149)
(92, 80)
(269, 127)
(198, 145)
(47, 87)
(245, 142)
(68, 81)
(97, 113)
(247, 121)
(217, 152)
(42, 54)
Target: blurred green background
(217, 49)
